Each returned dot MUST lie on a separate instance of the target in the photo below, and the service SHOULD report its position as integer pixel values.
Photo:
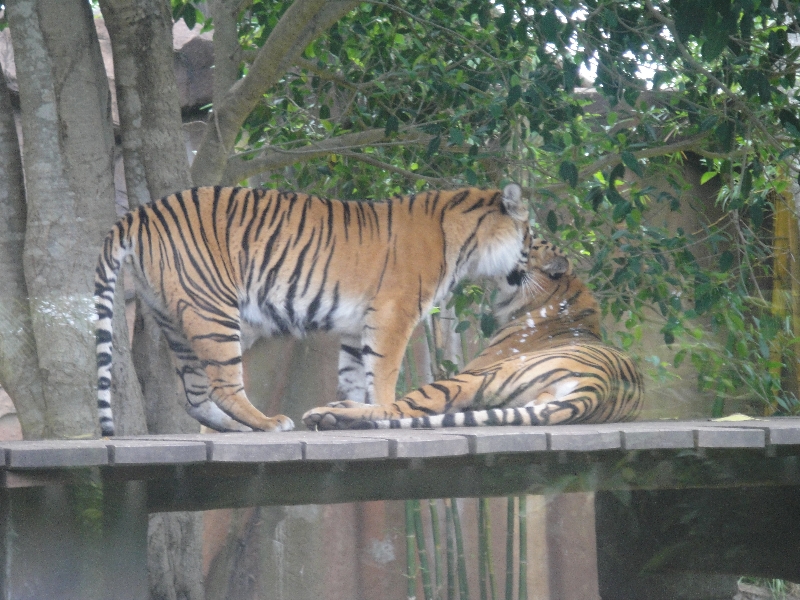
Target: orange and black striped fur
(547, 365)
(220, 265)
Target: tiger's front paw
(337, 417)
(319, 418)
(277, 423)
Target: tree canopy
(587, 103)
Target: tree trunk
(19, 366)
(68, 158)
(147, 96)
(155, 161)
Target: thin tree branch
(274, 158)
(371, 160)
(302, 22)
(611, 159)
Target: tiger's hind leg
(219, 355)
(351, 370)
(194, 384)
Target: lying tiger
(219, 266)
(546, 365)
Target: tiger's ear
(513, 203)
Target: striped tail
(115, 250)
(526, 415)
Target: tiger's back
(546, 365)
(212, 262)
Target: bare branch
(314, 68)
(371, 160)
(691, 143)
(302, 22)
(276, 158)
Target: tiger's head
(494, 235)
(542, 267)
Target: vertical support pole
(67, 541)
(571, 544)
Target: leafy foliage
(617, 110)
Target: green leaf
(707, 176)
(569, 173)
(456, 136)
(629, 160)
(719, 407)
(621, 210)
(614, 196)
(187, 12)
(724, 133)
(472, 177)
(595, 197)
(488, 325)
(433, 146)
(571, 75)
(716, 40)
(790, 122)
(392, 125)
(746, 185)
(708, 123)
(514, 94)
(551, 27)
(617, 174)
(190, 16)
(552, 221)
(462, 326)
(726, 261)
(449, 366)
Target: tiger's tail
(527, 415)
(116, 247)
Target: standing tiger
(219, 266)
(547, 365)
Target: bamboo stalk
(437, 549)
(794, 278)
(411, 559)
(464, 349)
(780, 279)
(483, 566)
(523, 548)
(486, 542)
(412, 367)
(510, 518)
(432, 347)
(451, 550)
(463, 586)
(422, 551)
